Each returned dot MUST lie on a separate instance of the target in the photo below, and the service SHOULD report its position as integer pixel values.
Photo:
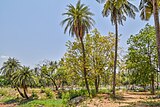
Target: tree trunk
(152, 84)
(115, 58)
(152, 71)
(20, 92)
(84, 66)
(54, 84)
(156, 21)
(97, 81)
(25, 93)
(157, 80)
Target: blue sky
(30, 29)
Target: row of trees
(139, 67)
(79, 22)
(92, 57)
(68, 72)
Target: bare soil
(128, 99)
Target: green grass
(45, 103)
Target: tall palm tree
(9, 67)
(78, 23)
(149, 7)
(118, 10)
(23, 78)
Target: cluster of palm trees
(79, 21)
(18, 76)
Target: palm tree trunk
(84, 66)
(115, 58)
(20, 92)
(25, 93)
(156, 21)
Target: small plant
(34, 95)
(3, 92)
(65, 97)
(49, 93)
(93, 93)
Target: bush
(49, 93)
(3, 92)
(34, 95)
(65, 97)
(93, 92)
(103, 91)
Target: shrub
(3, 92)
(34, 95)
(103, 91)
(65, 97)
(93, 92)
(49, 93)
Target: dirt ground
(129, 99)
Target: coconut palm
(9, 67)
(23, 78)
(78, 23)
(149, 7)
(118, 10)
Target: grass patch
(151, 103)
(45, 103)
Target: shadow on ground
(18, 101)
(144, 104)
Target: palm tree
(9, 67)
(149, 7)
(23, 78)
(118, 10)
(78, 23)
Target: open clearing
(128, 99)
(124, 99)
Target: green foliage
(9, 67)
(3, 92)
(79, 20)
(65, 97)
(49, 93)
(142, 57)
(34, 95)
(118, 10)
(45, 103)
(98, 49)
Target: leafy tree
(118, 10)
(23, 78)
(48, 71)
(142, 57)
(149, 7)
(78, 23)
(98, 49)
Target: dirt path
(128, 99)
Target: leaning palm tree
(149, 8)
(9, 67)
(118, 10)
(78, 23)
(23, 78)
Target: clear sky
(30, 29)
